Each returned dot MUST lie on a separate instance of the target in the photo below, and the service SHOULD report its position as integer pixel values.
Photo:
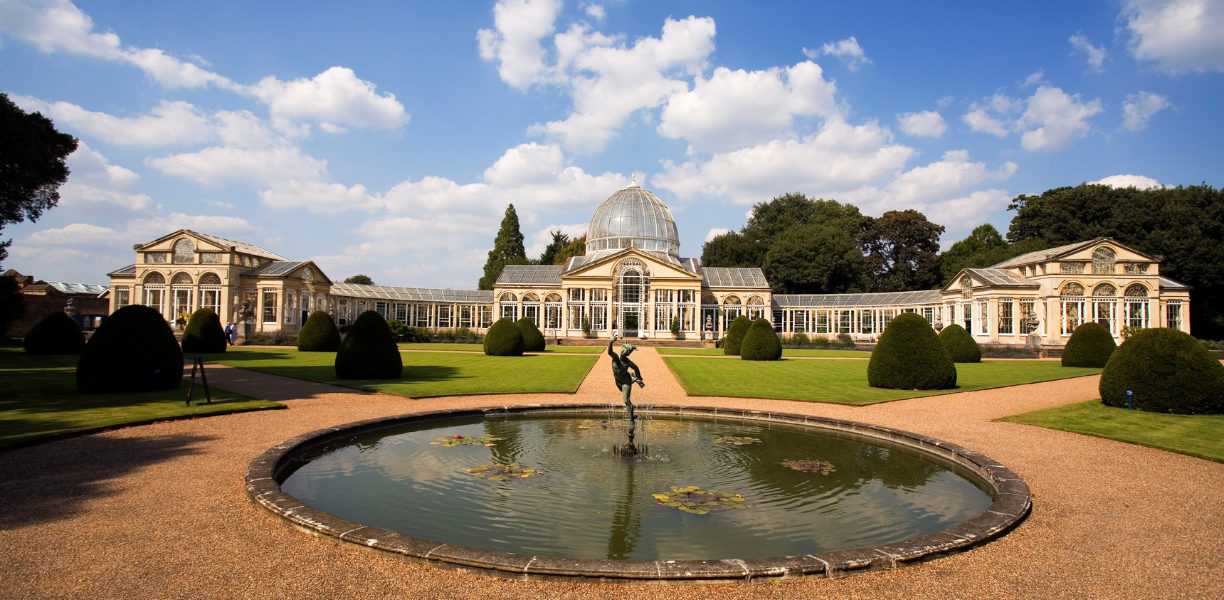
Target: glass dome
(632, 218)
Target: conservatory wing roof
(276, 268)
(724, 277)
(78, 288)
(238, 246)
(530, 274)
(128, 271)
(1000, 278)
(386, 292)
(1173, 284)
(856, 300)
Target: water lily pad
(465, 440)
(693, 500)
(810, 466)
(737, 441)
(501, 472)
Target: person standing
(231, 333)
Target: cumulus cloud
(715, 232)
(1052, 119)
(543, 237)
(733, 109)
(924, 124)
(334, 98)
(219, 165)
(1179, 36)
(75, 234)
(318, 196)
(97, 187)
(519, 25)
(175, 122)
(848, 51)
(947, 177)
(1125, 181)
(1138, 109)
(1094, 54)
(595, 11)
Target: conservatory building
(633, 282)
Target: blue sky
(387, 138)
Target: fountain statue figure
(626, 374)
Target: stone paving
(159, 511)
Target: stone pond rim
(1012, 504)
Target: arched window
(1136, 290)
(966, 283)
(1105, 290)
(1073, 307)
(155, 279)
(210, 279)
(184, 251)
(1103, 260)
(1073, 289)
(307, 274)
(181, 279)
(1136, 305)
(732, 300)
(553, 298)
(755, 301)
(507, 297)
(529, 297)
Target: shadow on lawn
(51, 482)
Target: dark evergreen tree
(504, 338)
(735, 335)
(32, 168)
(761, 342)
(576, 247)
(909, 356)
(1166, 371)
(57, 333)
(204, 333)
(814, 259)
(1090, 345)
(319, 334)
(902, 249)
(554, 248)
(533, 340)
(133, 350)
(369, 351)
(507, 249)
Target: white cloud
(220, 204)
(1125, 181)
(318, 196)
(334, 98)
(520, 25)
(75, 234)
(924, 124)
(1180, 36)
(543, 238)
(733, 109)
(151, 228)
(595, 11)
(97, 187)
(945, 101)
(175, 122)
(978, 119)
(847, 50)
(1037, 78)
(715, 232)
(1139, 108)
(1060, 119)
(1095, 54)
(947, 177)
(963, 212)
(263, 166)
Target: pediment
(605, 267)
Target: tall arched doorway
(629, 296)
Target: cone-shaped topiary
(369, 350)
(909, 356)
(761, 342)
(134, 350)
(1090, 345)
(319, 334)
(533, 340)
(204, 333)
(503, 339)
(961, 346)
(735, 335)
(57, 333)
(1168, 371)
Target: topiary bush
(319, 334)
(761, 342)
(1168, 371)
(134, 350)
(533, 340)
(57, 333)
(961, 346)
(909, 356)
(204, 333)
(1090, 345)
(735, 335)
(503, 339)
(369, 350)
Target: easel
(204, 378)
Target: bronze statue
(626, 374)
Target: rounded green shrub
(369, 350)
(57, 333)
(503, 339)
(1168, 371)
(134, 350)
(533, 340)
(761, 342)
(204, 333)
(319, 334)
(735, 335)
(909, 356)
(1090, 345)
(398, 329)
(961, 346)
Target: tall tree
(814, 259)
(507, 249)
(983, 247)
(770, 219)
(1184, 225)
(32, 165)
(576, 247)
(559, 241)
(902, 249)
(360, 279)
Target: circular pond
(517, 489)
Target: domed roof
(632, 218)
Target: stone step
(649, 342)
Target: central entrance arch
(632, 281)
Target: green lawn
(426, 374)
(480, 348)
(1195, 435)
(40, 402)
(800, 352)
(843, 381)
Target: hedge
(503, 339)
(57, 333)
(533, 340)
(909, 356)
(204, 333)
(961, 346)
(735, 335)
(134, 350)
(1090, 345)
(369, 350)
(1168, 371)
(319, 334)
(761, 342)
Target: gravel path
(158, 511)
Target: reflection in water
(626, 519)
